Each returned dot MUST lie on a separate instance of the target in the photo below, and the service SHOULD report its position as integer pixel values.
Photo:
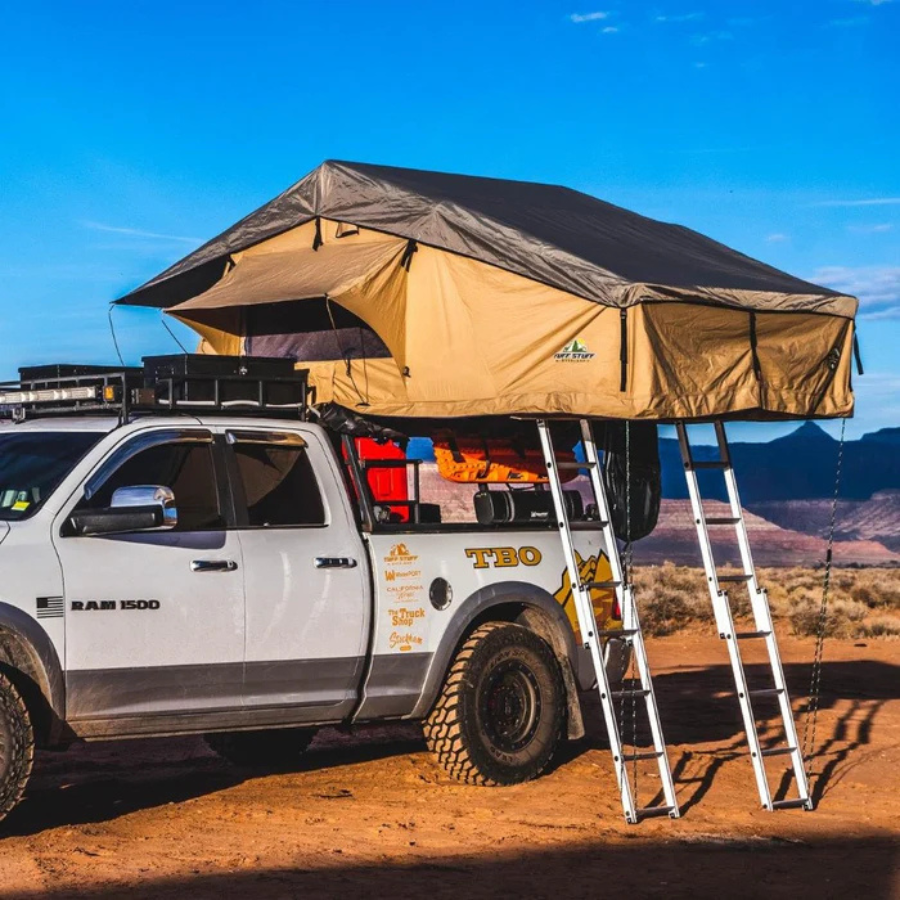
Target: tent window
(303, 331)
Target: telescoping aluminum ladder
(592, 636)
(762, 615)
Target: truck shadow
(93, 783)
(686, 866)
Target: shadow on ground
(700, 867)
(100, 782)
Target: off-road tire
(502, 711)
(275, 748)
(16, 746)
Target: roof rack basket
(189, 383)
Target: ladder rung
(619, 694)
(648, 812)
(599, 585)
(588, 525)
(766, 692)
(778, 751)
(708, 464)
(734, 579)
(616, 632)
(789, 804)
(638, 757)
(565, 464)
(722, 520)
(749, 635)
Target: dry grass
(863, 603)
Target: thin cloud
(871, 229)
(891, 312)
(578, 18)
(140, 233)
(873, 201)
(875, 2)
(680, 17)
(777, 238)
(610, 29)
(700, 40)
(877, 287)
(849, 23)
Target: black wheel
(272, 749)
(16, 746)
(501, 714)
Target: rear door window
(277, 481)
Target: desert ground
(370, 814)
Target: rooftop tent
(410, 293)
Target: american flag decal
(49, 607)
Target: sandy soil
(370, 814)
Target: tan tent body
(418, 294)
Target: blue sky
(130, 133)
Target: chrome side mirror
(148, 495)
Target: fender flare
(542, 614)
(26, 648)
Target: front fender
(26, 648)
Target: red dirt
(370, 814)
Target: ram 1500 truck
(175, 574)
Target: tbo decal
(503, 557)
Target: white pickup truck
(172, 574)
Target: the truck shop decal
(404, 617)
(503, 557)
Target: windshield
(33, 464)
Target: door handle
(213, 565)
(335, 562)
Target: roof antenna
(162, 318)
(112, 331)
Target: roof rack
(163, 385)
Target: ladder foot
(797, 803)
(651, 812)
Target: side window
(279, 485)
(185, 467)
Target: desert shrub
(881, 590)
(664, 612)
(842, 617)
(878, 628)
(864, 593)
(844, 581)
(671, 597)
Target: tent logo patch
(574, 351)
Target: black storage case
(201, 378)
(521, 507)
